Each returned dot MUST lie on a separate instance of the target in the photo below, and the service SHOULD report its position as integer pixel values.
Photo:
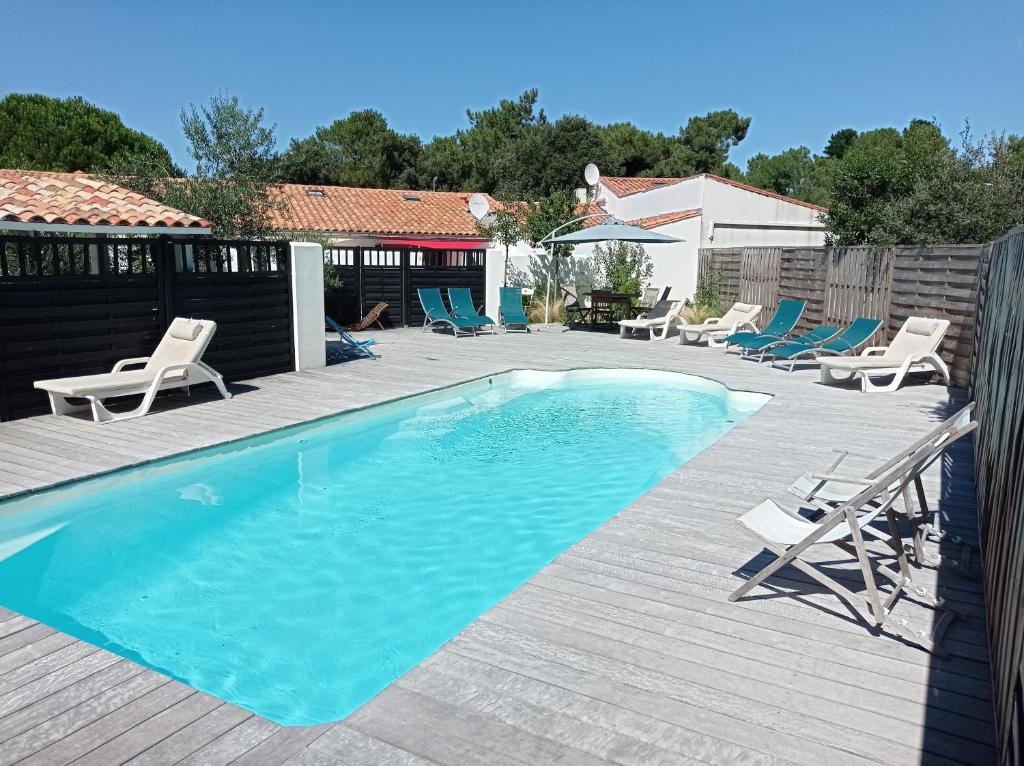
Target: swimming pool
(299, 573)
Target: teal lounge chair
(855, 336)
(435, 313)
(810, 339)
(347, 345)
(511, 310)
(785, 319)
(461, 300)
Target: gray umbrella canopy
(612, 229)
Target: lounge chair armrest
(736, 327)
(129, 362)
(841, 455)
(873, 350)
(712, 320)
(825, 477)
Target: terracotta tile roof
(654, 221)
(375, 211)
(648, 222)
(623, 187)
(29, 196)
(765, 192)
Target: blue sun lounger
(435, 313)
(786, 316)
(461, 300)
(511, 310)
(813, 337)
(856, 335)
(348, 344)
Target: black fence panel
(75, 305)
(392, 275)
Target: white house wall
(736, 217)
(685, 195)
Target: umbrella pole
(547, 297)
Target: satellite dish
(591, 174)
(479, 206)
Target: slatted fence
(74, 305)
(370, 275)
(997, 385)
(840, 284)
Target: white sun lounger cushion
(187, 329)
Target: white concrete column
(307, 268)
(494, 277)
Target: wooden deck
(623, 650)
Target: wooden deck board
(622, 650)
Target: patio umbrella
(610, 230)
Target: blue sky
(800, 69)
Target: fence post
(306, 266)
(165, 264)
(406, 281)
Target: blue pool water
(299, 574)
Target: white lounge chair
(176, 363)
(742, 316)
(914, 349)
(790, 536)
(661, 317)
(921, 520)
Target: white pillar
(307, 268)
(494, 277)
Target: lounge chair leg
(59, 405)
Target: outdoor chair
(176, 363)
(853, 337)
(791, 537)
(437, 316)
(575, 305)
(810, 339)
(914, 349)
(782, 323)
(461, 300)
(662, 316)
(511, 311)
(922, 521)
(347, 344)
(371, 318)
(741, 315)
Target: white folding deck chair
(661, 317)
(742, 316)
(176, 363)
(789, 536)
(914, 349)
(922, 520)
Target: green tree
(42, 133)
(794, 173)
(233, 151)
(492, 135)
(549, 158)
(877, 170)
(839, 142)
(359, 150)
(625, 267)
(444, 165)
(229, 141)
(506, 226)
(630, 151)
(703, 145)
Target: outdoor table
(603, 304)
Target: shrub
(624, 267)
(708, 293)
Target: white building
(703, 210)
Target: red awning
(437, 244)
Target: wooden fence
(997, 385)
(842, 283)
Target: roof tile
(375, 211)
(31, 196)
